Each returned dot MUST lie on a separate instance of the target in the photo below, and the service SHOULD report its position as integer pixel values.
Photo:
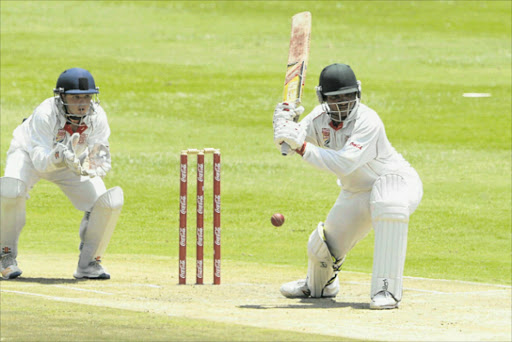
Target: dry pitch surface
(432, 310)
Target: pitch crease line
(434, 291)
(84, 290)
(60, 299)
(443, 280)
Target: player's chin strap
(98, 225)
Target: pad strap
(322, 268)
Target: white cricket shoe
(383, 300)
(9, 267)
(93, 271)
(299, 289)
(295, 289)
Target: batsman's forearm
(328, 160)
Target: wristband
(302, 150)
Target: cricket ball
(277, 219)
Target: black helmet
(337, 79)
(76, 81)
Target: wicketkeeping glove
(99, 161)
(64, 155)
(57, 155)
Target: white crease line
(434, 291)
(128, 285)
(461, 282)
(39, 295)
(84, 290)
(405, 288)
(443, 280)
(148, 285)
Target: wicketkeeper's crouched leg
(95, 232)
(13, 193)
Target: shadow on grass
(309, 303)
(48, 281)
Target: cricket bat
(297, 63)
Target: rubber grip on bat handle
(285, 149)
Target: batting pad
(97, 230)
(320, 264)
(390, 216)
(12, 213)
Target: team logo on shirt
(326, 135)
(61, 135)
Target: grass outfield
(176, 75)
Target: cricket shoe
(383, 300)
(299, 289)
(9, 266)
(93, 271)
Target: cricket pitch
(431, 310)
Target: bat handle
(285, 149)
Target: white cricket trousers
(82, 191)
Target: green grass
(176, 75)
(23, 320)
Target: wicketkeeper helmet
(76, 81)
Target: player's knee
(12, 188)
(112, 199)
(317, 246)
(389, 198)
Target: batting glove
(285, 111)
(291, 133)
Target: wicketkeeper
(379, 187)
(64, 141)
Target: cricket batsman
(64, 141)
(379, 188)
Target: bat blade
(298, 55)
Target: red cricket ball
(277, 219)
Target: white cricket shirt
(358, 152)
(47, 126)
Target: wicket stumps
(199, 215)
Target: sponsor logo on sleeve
(358, 146)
